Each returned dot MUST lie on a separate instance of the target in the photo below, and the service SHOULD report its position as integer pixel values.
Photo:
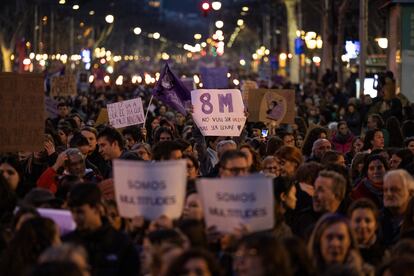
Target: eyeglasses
(237, 170)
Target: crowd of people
(342, 181)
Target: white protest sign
(229, 202)
(218, 112)
(62, 218)
(126, 113)
(150, 189)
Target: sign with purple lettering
(231, 202)
(218, 112)
(150, 189)
(126, 113)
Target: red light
(205, 6)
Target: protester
(332, 242)
(34, 236)
(398, 190)
(110, 252)
(363, 215)
(371, 186)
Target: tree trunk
(341, 39)
(327, 45)
(6, 53)
(292, 28)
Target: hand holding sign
(218, 112)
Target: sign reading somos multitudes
(150, 189)
(218, 112)
(126, 113)
(229, 202)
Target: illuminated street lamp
(219, 24)
(197, 36)
(137, 30)
(109, 19)
(75, 7)
(216, 5)
(382, 42)
(156, 36)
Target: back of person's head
(65, 252)
(170, 236)
(64, 268)
(299, 256)
(178, 266)
(163, 150)
(404, 247)
(78, 140)
(133, 131)
(230, 155)
(112, 135)
(312, 135)
(34, 236)
(8, 200)
(194, 230)
(85, 193)
(407, 128)
(398, 266)
(308, 172)
(273, 144)
(272, 254)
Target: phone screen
(265, 132)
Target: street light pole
(363, 40)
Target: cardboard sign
(268, 105)
(214, 78)
(62, 218)
(63, 86)
(247, 85)
(51, 107)
(22, 113)
(126, 113)
(218, 112)
(102, 117)
(150, 189)
(229, 202)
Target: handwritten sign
(63, 86)
(62, 218)
(229, 202)
(267, 105)
(218, 112)
(150, 189)
(22, 112)
(214, 78)
(126, 113)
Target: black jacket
(110, 252)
